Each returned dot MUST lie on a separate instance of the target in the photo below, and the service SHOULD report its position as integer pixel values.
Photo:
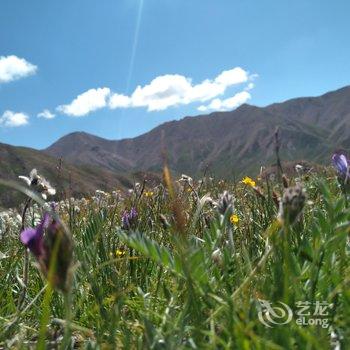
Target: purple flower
(129, 218)
(341, 164)
(125, 220)
(32, 238)
(133, 214)
(42, 241)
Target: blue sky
(138, 63)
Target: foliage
(159, 287)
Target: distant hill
(228, 143)
(69, 179)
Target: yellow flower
(249, 182)
(149, 193)
(234, 219)
(119, 253)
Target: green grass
(192, 281)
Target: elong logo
(280, 313)
(274, 315)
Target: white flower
(101, 193)
(186, 179)
(32, 179)
(217, 256)
(39, 183)
(18, 218)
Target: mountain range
(225, 144)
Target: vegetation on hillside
(210, 264)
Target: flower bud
(292, 204)
(225, 203)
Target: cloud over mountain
(228, 103)
(163, 92)
(86, 102)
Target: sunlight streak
(134, 46)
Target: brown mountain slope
(329, 112)
(229, 143)
(83, 148)
(66, 178)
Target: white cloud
(87, 102)
(46, 114)
(161, 93)
(119, 101)
(13, 68)
(203, 108)
(232, 77)
(227, 104)
(173, 89)
(204, 92)
(250, 86)
(13, 119)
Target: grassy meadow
(205, 264)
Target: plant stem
(26, 260)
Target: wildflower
(149, 194)
(132, 214)
(234, 219)
(292, 204)
(32, 238)
(272, 177)
(39, 183)
(185, 179)
(276, 199)
(129, 218)
(9, 219)
(225, 203)
(101, 193)
(119, 253)
(42, 241)
(116, 195)
(249, 181)
(138, 188)
(217, 257)
(221, 183)
(164, 221)
(285, 181)
(125, 220)
(342, 165)
(299, 168)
